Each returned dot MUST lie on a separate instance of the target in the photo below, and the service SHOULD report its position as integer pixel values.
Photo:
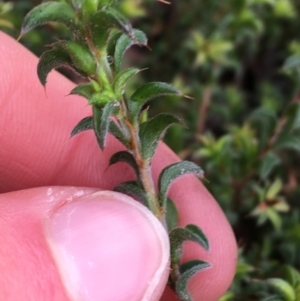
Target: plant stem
(144, 166)
(203, 109)
(145, 173)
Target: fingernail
(108, 247)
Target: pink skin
(40, 226)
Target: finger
(66, 243)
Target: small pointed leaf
(150, 91)
(121, 80)
(269, 162)
(292, 62)
(283, 287)
(102, 98)
(190, 233)
(293, 115)
(185, 267)
(103, 21)
(124, 156)
(48, 12)
(274, 217)
(187, 270)
(52, 59)
(171, 173)
(101, 128)
(171, 215)
(77, 4)
(264, 121)
(112, 42)
(83, 125)
(152, 131)
(97, 117)
(133, 189)
(85, 90)
(199, 235)
(274, 189)
(125, 42)
(120, 20)
(119, 133)
(288, 142)
(81, 57)
(291, 275)
(100, 26)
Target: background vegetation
(240, 61)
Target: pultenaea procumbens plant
(101, 34)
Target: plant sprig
(101, 35)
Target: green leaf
(100, 25)
(112, 42)
(102, 98)
(288, 143)
(150, 91)
(125, 156)
(269, 162)
(152, 131)
(119, 133)
(77, 4)
(81, 57)
(103, 21)
(274, 189)
(121, 80)
(124, 42)
(133, 189)
(244, 268)
(48, 12)
(274, 218)
(121, 21)
(52, 59)
(185, 267)
(291, 275)
(264, 120)
(199, 235)
(89, 7)
(187, 270)
(283, 287)
(85, 90)
(272, 298)
(171, 173)
(97, 117)
(293, 119)
(171, 215)
(101, 128)
(292, 62)
(179, 235)
(83, 125)
(228, 296)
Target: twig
(203, 109)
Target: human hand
(63, 242)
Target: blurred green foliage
(240, 61)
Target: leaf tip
(187, 96)
(164, 2)
(20, 36)
(148, 47)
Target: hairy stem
(144, 166)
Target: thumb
(67, 244)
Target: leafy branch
(101, 35)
